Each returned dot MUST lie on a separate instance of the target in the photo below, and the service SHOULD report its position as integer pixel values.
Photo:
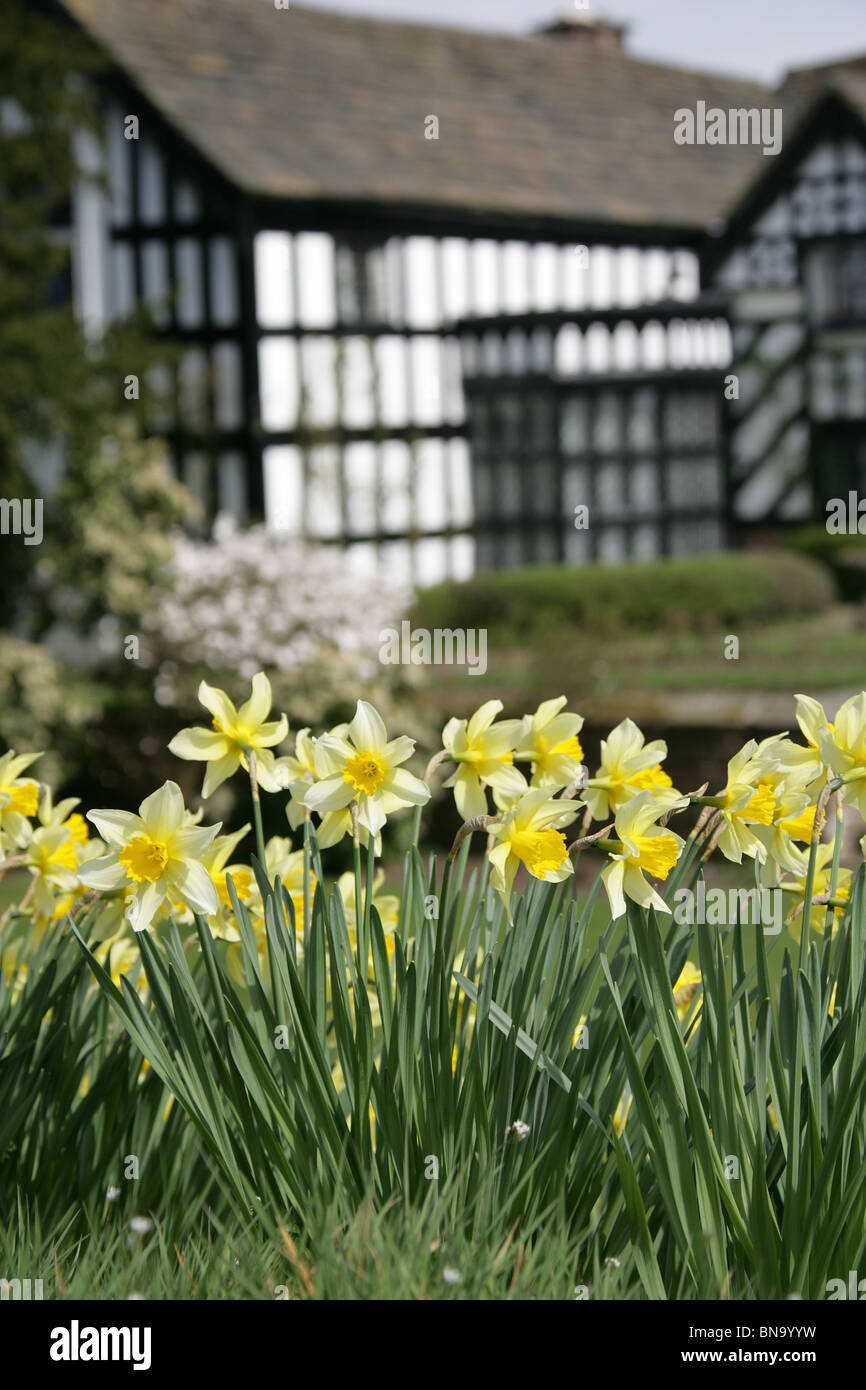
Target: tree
(108, 522)
(58, 389)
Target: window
(361, 287)
(835, 278)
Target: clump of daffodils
(525, 782)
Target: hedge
(688, 593)
(844, 555)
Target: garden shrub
(689, 593)
(844, 555)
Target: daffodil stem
(307, 854)
(467, 828)
(257, 808)
(834, 870)
(416, 826)
(612, 846)
(718, 801)
(796, 1074)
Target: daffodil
(313, 762)
(215, 859)
(628, 765)
(548, 740)
(282, 862)
(120, 956)
(52, 859)
(484, 753)
(793, 820)
(153, 856)
(642, 847)
(287, 864)
(63, 813)
(369, 772)
(748, 801)
(301, 771)
(52, 851)
(235, 734)
(803, 766)
(388, 907)
(843, 747)
(686, 986)
(19, 799)
(621, 1116)
(773, 809)
(15, 974)
(386, 904)
(531, 833)
(795, 882)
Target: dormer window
(835, 280)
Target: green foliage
(844, 555)
(104, 527)
(118, 509)
(373, 1083)
(108, 521)
(598, 600)
(74, 1101)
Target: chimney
(582, 26)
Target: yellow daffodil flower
(484, 753)
(687, 984)
(628, 765)
(301, 771)
(795, 882)
(803, 767)
(153, 856)
(215, 859)
(63, 813)
(19, 799)
(548, 740)
(621, 1116)
(120, 956)
(52, 858)
(843, 747)
(313, 762)
(531, 833)
(235, 733)
(749, 801)
(386, 904)
(644, 848)
(369, 772)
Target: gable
(816, 188)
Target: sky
(750, 38)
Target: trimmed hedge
(688, 593)
(844, 555)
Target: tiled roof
(803, 86)
(307, 104)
